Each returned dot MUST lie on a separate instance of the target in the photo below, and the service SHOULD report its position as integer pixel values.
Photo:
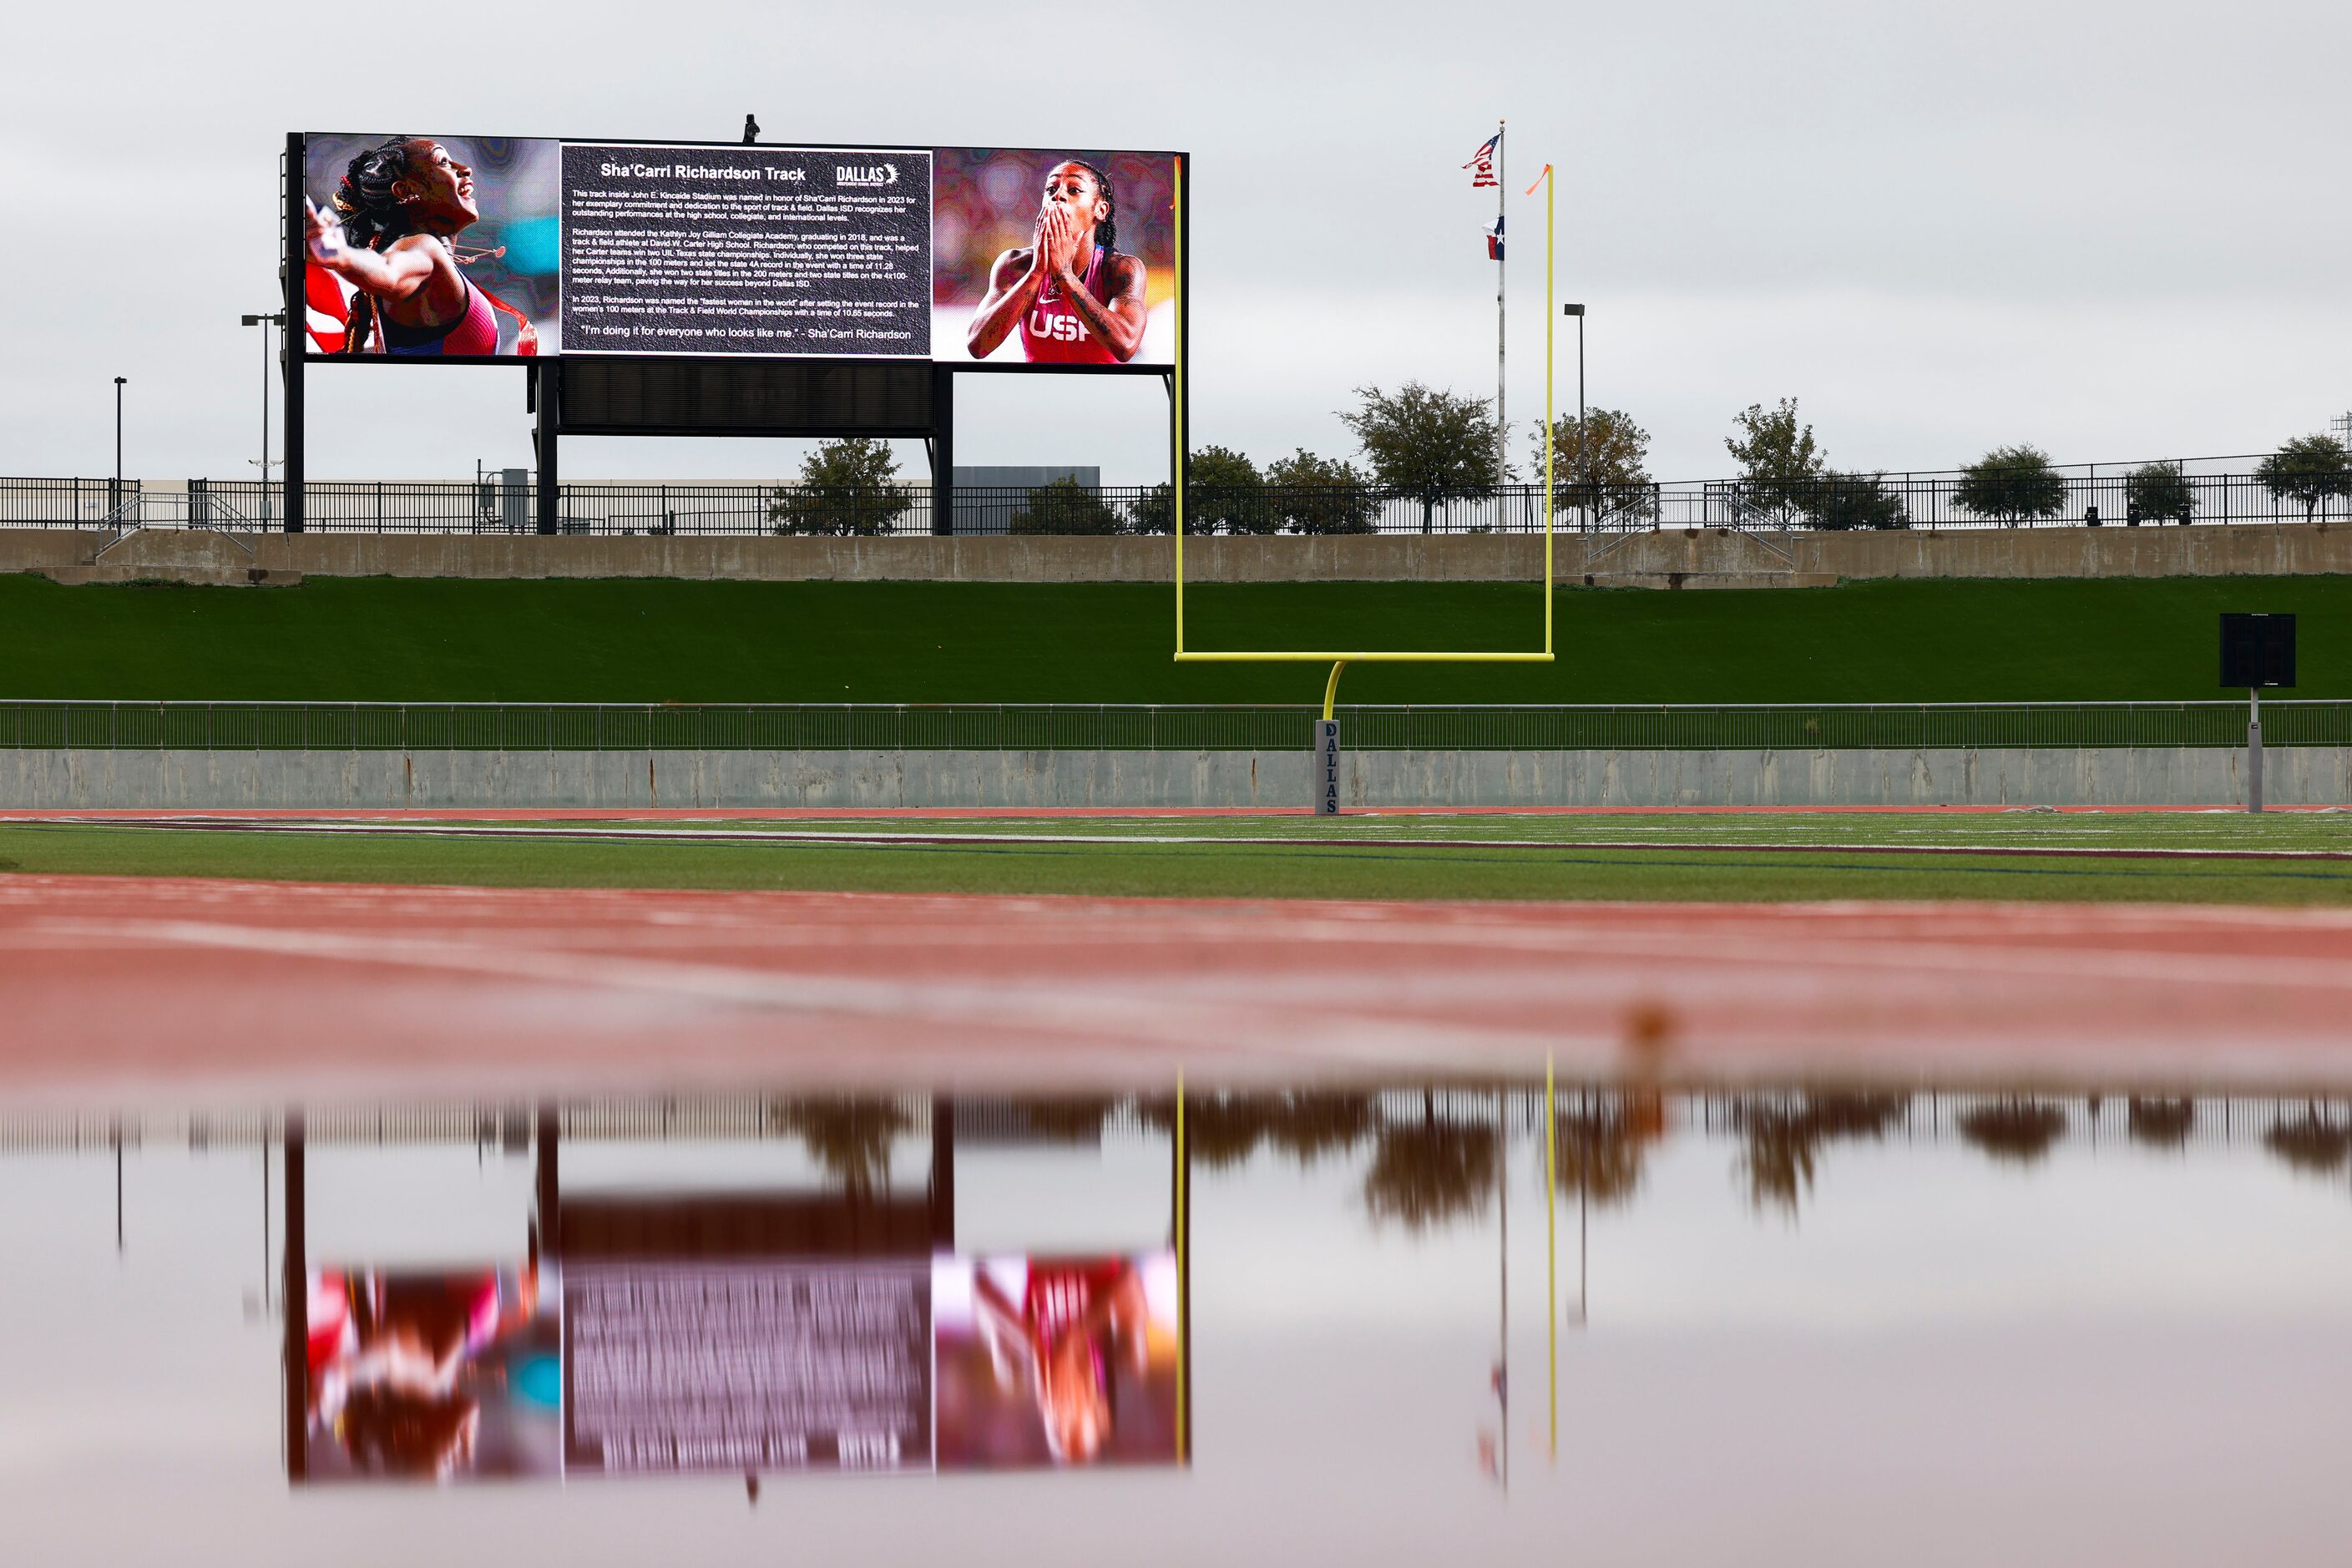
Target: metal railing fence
(65, 503)
(2181, 1120)
(817, 727)
(2205, 492)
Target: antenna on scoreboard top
(750, 130)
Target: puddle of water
(1332, 1323)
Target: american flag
(1482, 161)
(327, 302)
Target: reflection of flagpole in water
(1551, 1257)
(295, 1296)
(1503, 1209)
(1583, 1211)
(1182, 1239)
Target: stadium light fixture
(117, 442)
(1584, 512)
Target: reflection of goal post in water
(1327, 732)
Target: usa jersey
(1052, 333)
(1060, 1294)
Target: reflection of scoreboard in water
(717, 1314)
(803, 291)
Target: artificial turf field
(657, 640)
(2284, 859)
(662, 640)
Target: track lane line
(786, 836)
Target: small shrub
(1063, 506)
(2014, 484)
(2309, 469)
(847, 486)
(1854, 501)
(2158, 491)
(1316, 495)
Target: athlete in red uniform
(396, 210)
(388, 1365)
(1076, 299)
(1075, 1317)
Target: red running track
(174, 985)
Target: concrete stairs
(202, 557)
(1711, 579)
(1700, 558)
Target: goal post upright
(1176, 401)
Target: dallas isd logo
(866, 174)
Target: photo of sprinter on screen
(1056, 1362)
(1072, 297)
(433, 1376)
(1054, 259)
(416, 247)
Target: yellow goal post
(1341, 658)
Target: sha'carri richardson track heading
(842, 174)
(611, 170)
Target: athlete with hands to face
(1074, 298)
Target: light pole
(1584, 512)
(265, 321)
(117, 497)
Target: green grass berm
(654, 640)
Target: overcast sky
(2116, 231)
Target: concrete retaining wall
(2110, 776)
(1699, 559)
(2234, 550)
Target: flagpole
(1547, 181)
(1502, 249)
(1551, 1223)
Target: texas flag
(1495, 240)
